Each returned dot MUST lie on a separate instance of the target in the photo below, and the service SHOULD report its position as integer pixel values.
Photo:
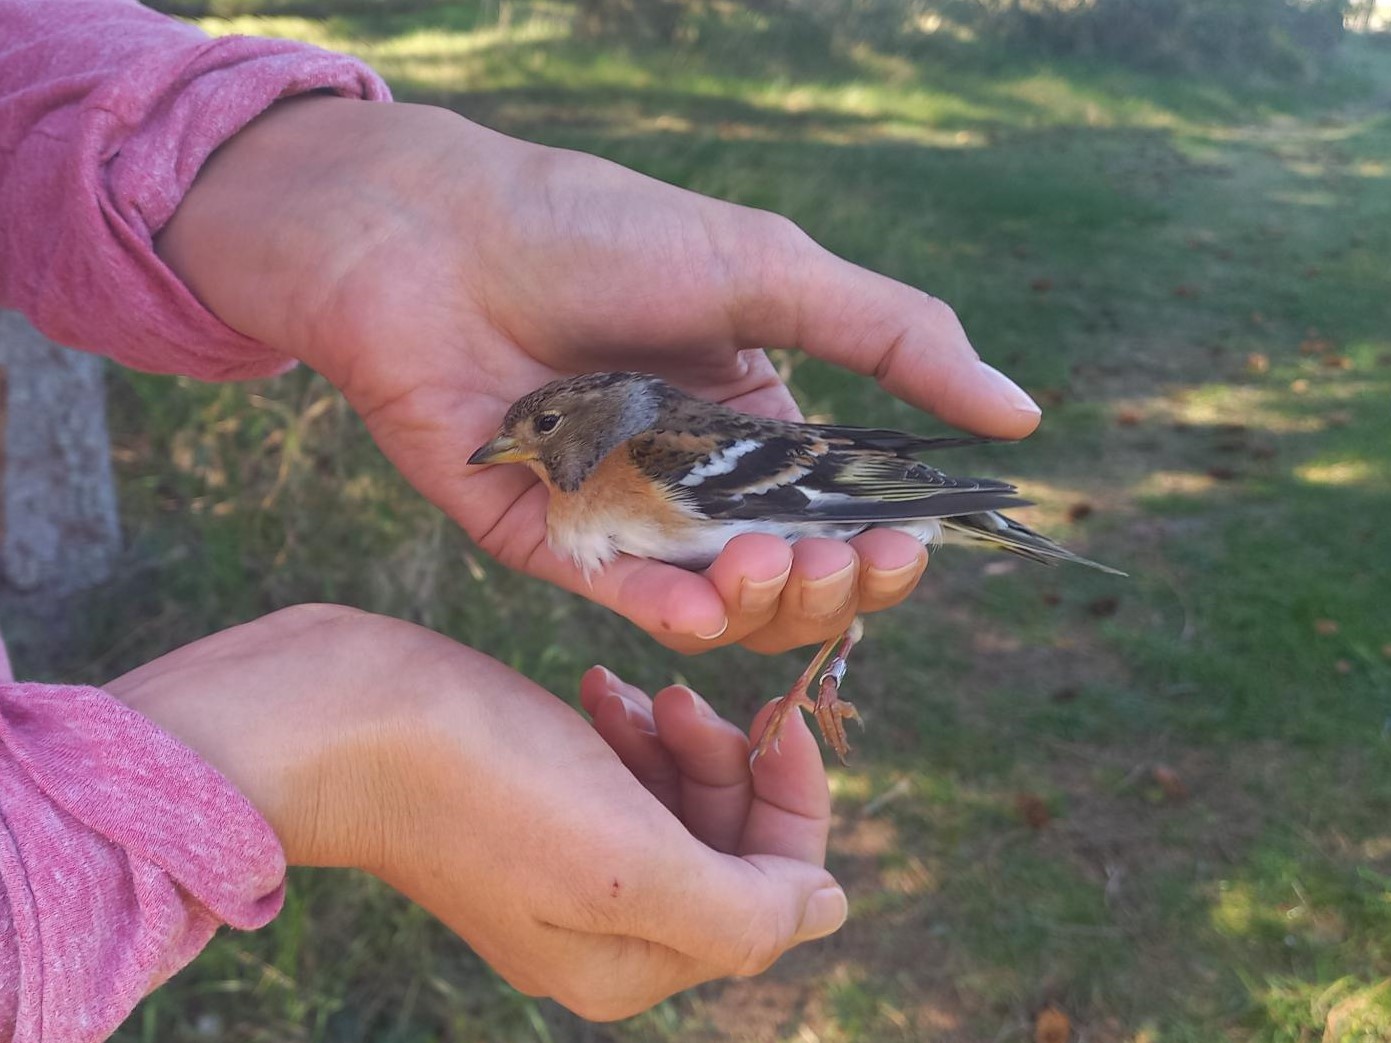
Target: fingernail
(610, 681)
(698, 704)
(724, 625)
(888, 582)
(820, 597)
(825, 911)
(638, 718)
(755, 596)
(1011, 392)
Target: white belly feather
(599, 539)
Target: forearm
(107, 113)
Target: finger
(730, 915)
(790, 814)
(756, 386)
(819, 600)
(599, 681)
(622, 716)
(711, 756)
(891, 563)
(751, 573)
(914, 346)
(790, 292)
(778, 903)
(765, 392)
(641, 874)
(680, 609)
(626, 730)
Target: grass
(1191, 275)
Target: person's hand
(607, 880)
(436, 271)
(697, 764)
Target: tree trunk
(59, 531)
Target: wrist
(277, 234)
(277, 708)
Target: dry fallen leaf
(1299, 386)
(1051, 1025)
(1223, 474)
(1128, 417)
(1169, 782)
(1041, 284)
(1336, 362)
(1257, 363)
(1078, 511)
(1326, 627)
(1105, 606)
(1343, 666)
(1315, 345)
(1386, 651)
(1339, 418)
(1030, 807)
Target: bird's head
(562, 431)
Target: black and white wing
(747, 468)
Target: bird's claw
(829, 709)
(771, 737)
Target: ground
(1159, 804)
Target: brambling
(636, 466)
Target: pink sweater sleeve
(121, 853)
(107, 112)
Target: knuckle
(758, 946)
(782, 229)
(608, 990)
(940, 312)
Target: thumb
(738, 915)
(789, 292)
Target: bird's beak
(501, 450)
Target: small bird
(636, 466)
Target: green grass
(1147, 255)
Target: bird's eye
(547, 422)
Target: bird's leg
(829, 709)
(795, 699)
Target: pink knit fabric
(120, 851)
(107, 112)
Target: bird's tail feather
(997, 530)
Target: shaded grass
(1149, 256)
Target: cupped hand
(697, 764)
(579, 863)
(436, 271)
